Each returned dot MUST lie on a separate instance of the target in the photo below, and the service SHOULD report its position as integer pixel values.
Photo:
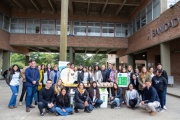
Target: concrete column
(6, 61)
(117, 63)
(27, 60)
(71, 27)
(130, 60)
(64, 24)
(71, 53)
(163, 5)
(165, 57)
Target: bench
(171, 80)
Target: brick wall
(73, 41)
(4, 44)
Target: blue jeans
(29, 95)
(15, 90)
(117, 101)
(98, 103)
(42, 105)
(161, 97)
(81, 106)
(68, 110)
(165, 92)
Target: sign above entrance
(164, 28)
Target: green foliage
(20, 64)
(45, 58)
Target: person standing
(134, 82)
(164, 73)
(159, 82)
(97, 76)
(14, 77)
(48, 70)
(113, 75)
(109, 69)
(104, 73)
(151, 72)
(54, 74)
(150, 99)
(90, 71)
(24, 83)
(84, 76)
(32, 77)
(144, 75)
(129, 73)
(46, 98)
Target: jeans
(82, 106)
(23, 92)
(165, 92)
(117, 101)
(132, 103)
(29, 95)
(42, 105)
(98, 103)
(15, 90)
(68, 110)
(161, 97)
(36, 96)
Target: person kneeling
(94, 95)
(63, 103)
(150, 100)
(117, 96)
(82, 100)
(132, 97)
(46, 97)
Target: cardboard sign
(122, 79)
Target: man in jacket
(32, 76)
(150, 100)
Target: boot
(86, 110)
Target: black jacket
(104, 75)
(81, 76)
(164, 73)
(63, 101)
(136, 85)
(81, 98)
(119, 93)
(159, 83)
(91, 93)
(150, 95)
(46, 95)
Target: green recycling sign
(122, 79)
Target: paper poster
(122, 79)
(67, 76)
(62, 65)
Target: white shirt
(75, 76)
(85, 77)
(15, 79)
(94, 97)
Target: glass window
(149, 13)
(143, 17)
(138, 22)
(6, 23)
(93, 29)
(171, 2)
(58, 28)
(47, 27)
(108, 29)
(17, 25)
(134, 25)
(32, 26)
(1, 20)
(121, 30)
(156, 8)
(80, 28)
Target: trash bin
(104, 97)
(72, 93)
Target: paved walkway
(173, 105)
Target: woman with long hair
(144, 75)
(54, 74)
(63, 103)
(13, 78)
(97, 75)
(58, 87)
(84, 76)
(90, 71)
(151, 72)
(81, 99)
(132, 97)
(117, 96)
(94, 94)
(113, 75)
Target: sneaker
(71, 113)
(165, 108)
(20, 103)
(118, 107)
(11, 107)
(57, 114)
(112, 106)
(41, 114)
(32, 106)
(27, 110)
(15, 106)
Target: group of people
(43, 84)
